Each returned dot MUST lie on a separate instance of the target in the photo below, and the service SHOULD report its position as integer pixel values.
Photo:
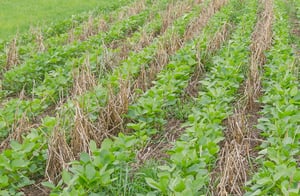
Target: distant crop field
(17, 16)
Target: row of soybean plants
(179, 24)
(12, 173)
(279, 171)
(51, 88)
(56, 34)
(111, 162)
(25, 160)
(130, 69)
(195, 153)
(59, 81)
(32, 72)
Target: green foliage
(148, 116)
(15, 110)
(57, 83)
(18, 16)
(57, 34)
(199, 144)
(24, 162)
(109, 170)
(279, 173)
(93, 98)
(33, 72)
(122, 149)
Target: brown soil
(160, 143)
(36, 189)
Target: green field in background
(19, 15)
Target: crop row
(96, 173)
(33, 72)
(48, 93)
(116, 90)
(59, 81)
(279, 173)
(14, 110)
(33, 163)
(95, 101)
(26, 45)
(200, 142)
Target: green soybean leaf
(93, 146)
(66, 176)
(84, 157)
(152, 183)
(3, 181)
(90, 171)
(18, 163)
(294, 91)
(48, 185)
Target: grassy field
(17, 16)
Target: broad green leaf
(18, 163)
(16, 146)
(106, 144)
(152, 183)
(3, 181)
(66, 176)
(294, 91)
(93, 146)
(287, 140)
(98, 194)
(48, 185)
(149, 194)
(84, 157)
(90, 171)
(264, 180)
(4, 193)
(284, 187)
(279, 174)
(177, 185)
(297, 176)
(27, 147)
(106, 157)
(49, 122)
(2, 124)
(166, 168)
(257, 192)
